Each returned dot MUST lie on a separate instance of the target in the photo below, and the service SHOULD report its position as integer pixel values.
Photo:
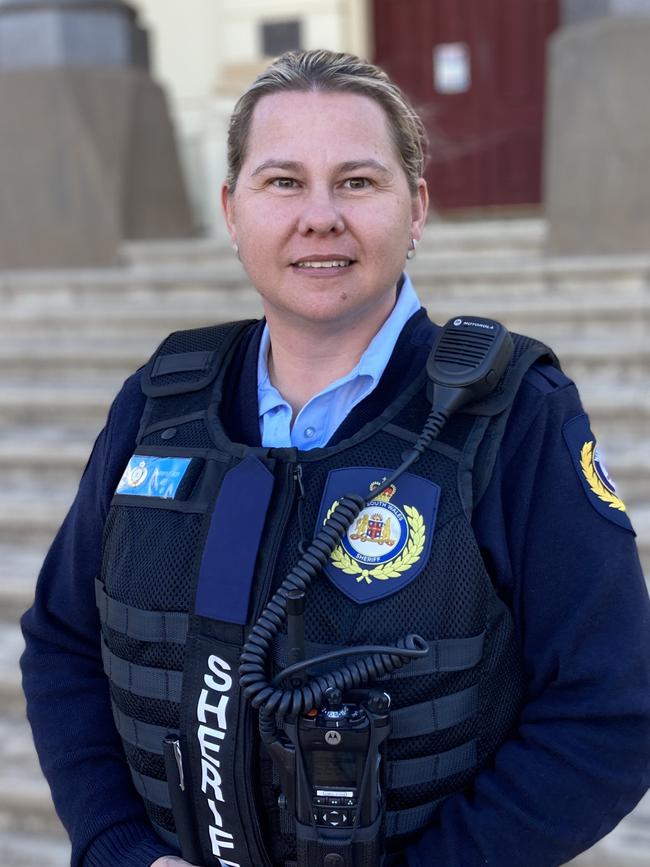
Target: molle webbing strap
(188, 361)
(142, 735)
(167, 836)
(446, 654)
(414, 819)
(181, 362)
(156, 791)
(141, 680)
(434, 715)
(396, 822)
(164, 626)
(413, 772)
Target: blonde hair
(322, 70)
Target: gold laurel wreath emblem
(594, 481)
(394, 568)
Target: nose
(320, 214)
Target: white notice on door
(451, 68)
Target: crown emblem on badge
(385, 496)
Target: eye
(284, 183)
(357, 183)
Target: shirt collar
(371, 364)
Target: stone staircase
(68, 339)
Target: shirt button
(309, 432)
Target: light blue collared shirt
(325, 411)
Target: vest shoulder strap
(497, 406)
(526, 352)
(188, 361)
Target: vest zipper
(293, 478)
(297, 474)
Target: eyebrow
(349, 166)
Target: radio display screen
(332, 768)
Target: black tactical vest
(200, 533)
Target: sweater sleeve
(68, 703)
(579, 758)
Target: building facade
(205, 53)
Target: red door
(475, 70)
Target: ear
(419, 209)
(228, 212)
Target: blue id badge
(149, 476)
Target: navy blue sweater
(580, 758)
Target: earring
(412, 248)
(235, 247)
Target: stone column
(597, 149)
(88, 154)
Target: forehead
(302, 125)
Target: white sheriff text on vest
(210, 733)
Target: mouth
(321, 265)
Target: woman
(523, 735)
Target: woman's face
(322, 212)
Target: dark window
(280, 36)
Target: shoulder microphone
(467, 360)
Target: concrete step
(486, 237)
(34, 850)
(25, 457)
(17, 752)
(547, 317)
(20, 567)
(456, 277)
(534, 277)
(12, 701)
(75, 409)
(26, 806)
(628, 845)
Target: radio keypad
(334, 812)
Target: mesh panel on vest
(176, 406)
(149, 559)
(151, 710)
(160, 816)
(413, 796)
(145, 763)
(179, 378)
(195, 340)
(191, 435)
(502, 697)
(156, 654)
(416, 412)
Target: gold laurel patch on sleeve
(594, 481)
